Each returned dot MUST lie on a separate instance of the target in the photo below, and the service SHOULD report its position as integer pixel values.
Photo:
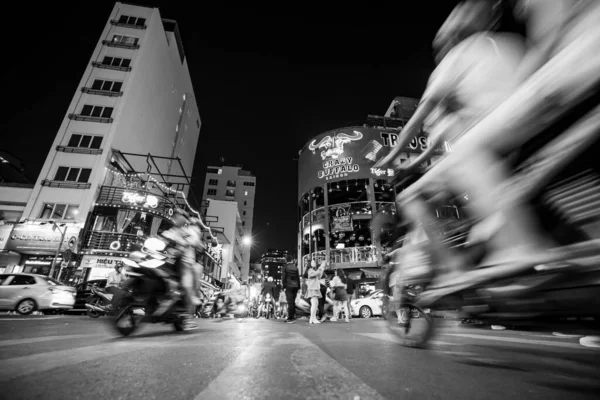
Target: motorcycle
(223, 307)
(268, 309)
(97, 303)
(154, 291)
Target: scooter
(97, 303)
(150, 289)
(268, 310)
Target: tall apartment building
(273, 262)
(224, 219)
(119, 162)
(232, 183)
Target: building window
(213, 182)
(96, 111)
(117, 62)
(248, 183)
(59, 211)
(107, 86)
(135, 21)
(243, 223)
(125, 40)
(85, 141)
(245, 193)
(231, 183)
(245, 203)
(244, 212)
(212, 192)
(217, 171)
(230, 192)
(68, 174)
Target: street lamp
(246, 240)
(62, 239)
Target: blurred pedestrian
(350, 294)
(340, 297)
(290, 278)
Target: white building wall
(145, 116)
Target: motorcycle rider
(268, 288)
(481, 171)
(182, 243)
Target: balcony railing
(113, 242)
(89, 118)
(364, 254)
(121, 45)
(124, 25)
(113, 67)
(79, 150)
(101, 92)
(66, 185)
(114, 195)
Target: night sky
(266, 81)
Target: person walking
(340, 298)
(350, 294)
(290, 278)
(313, 291)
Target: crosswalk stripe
(389, 337)
(517, 340)
(16, 367)
(16, 342)
(305, 365)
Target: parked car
(26, 293)
(84, 290)
(369, 305)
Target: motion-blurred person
(340, 297)
(114, 281)
(290, 277)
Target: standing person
(113, 284)
(340, 297)
(290, 278)
(314, 292)
(350, 295)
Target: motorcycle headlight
(154, 244)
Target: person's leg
(336, 310)
(290, 295)
(348, 305)
(314, 305)
(322, 300)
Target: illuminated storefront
(340, 191)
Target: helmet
(270, 279)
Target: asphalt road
(75, 357)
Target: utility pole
(62, 238)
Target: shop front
(96, 267)
(40, 245)
(340, 191)
(8, 259)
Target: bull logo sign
(333, 146)
(334, 165)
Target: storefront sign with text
(337, 168)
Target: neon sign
(337, 168)
(334, 145)
(381, 171)
(136, 198)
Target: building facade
(272, 264)
(340, 190)
(224, 220)
(118, 165)
(232, 183)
